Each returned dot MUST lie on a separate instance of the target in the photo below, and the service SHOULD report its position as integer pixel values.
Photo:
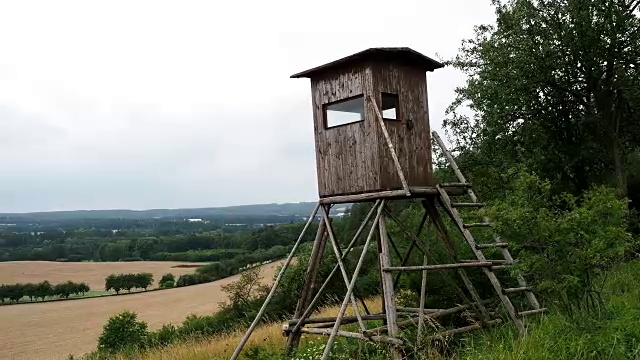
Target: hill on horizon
(302, 209)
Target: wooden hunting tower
(352, 150)
(373, 144)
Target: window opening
(390, 107)
(344, 111)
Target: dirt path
(55, 330)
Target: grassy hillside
(613, 332)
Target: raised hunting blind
(351, 97)
(373, 144)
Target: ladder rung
(476, 225)
(495, 262)
(457, 205)
(516, 290)
(467, 185)
(439, 266)
(532, 312)
(489, 246)
(501, 267)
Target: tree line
(144, 242)
(43, 290)
(119, 282)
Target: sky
(173, 104)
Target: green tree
(555, 86)
(143, 280)
(114, 282)
(167, 281)
(122, 331)
(563, 242)
(44, 289)
(249, 287)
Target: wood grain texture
(355, 158)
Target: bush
(164, 336)
(563, 242)
(167, 281)
(123, 331)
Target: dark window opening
(344, 112)
(390, 107)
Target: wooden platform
(453, 189)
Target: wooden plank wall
(413, 146)
(346, 156)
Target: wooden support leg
(253, 325)
(334, 331)
(387, 284)
(343, 269)
(315, 260)
(311, 306)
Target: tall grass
(613, 333)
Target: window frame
(325, 119)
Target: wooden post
(246, 336)
(387, 284)
(315, 260)
(309, 309)
(343, 269)
(423, 295)
(351, 285)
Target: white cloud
(139, 104)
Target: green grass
(611, 333)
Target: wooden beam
(377, 338)
(405, 185)
(253, 325)
(439, 266)
(416, 192)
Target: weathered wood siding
(412, 144)
(346, 156)
(354, 158)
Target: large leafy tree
(554, 85)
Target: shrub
(563, 242)
(123, 331)
(167, 281)
(164, 336)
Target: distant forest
(245, 233)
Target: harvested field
(56, 329)
(93, 273)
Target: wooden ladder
(452, 209)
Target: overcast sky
(166, 104)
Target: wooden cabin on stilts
(374, 144)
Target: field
(93, 273)
(56, 329)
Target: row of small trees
(119, 282)
(43, 290)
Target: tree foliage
(128, 281)
(123, 331)
(555, 86)
(15, 292)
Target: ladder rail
(455, 216)
(474, 199)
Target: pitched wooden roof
(403, 55)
